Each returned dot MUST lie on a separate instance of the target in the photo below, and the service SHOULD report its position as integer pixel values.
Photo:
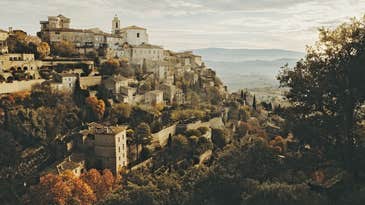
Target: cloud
(184, 24)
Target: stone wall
(89, 81)
(18, 86)
(160, 138)
(212, 123)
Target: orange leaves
(278, 143)
(43, 49)
(97, 106)
(61, 190)
(68, 189)
(108, 179)
(21, 96)
(100, 184)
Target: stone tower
(115, 25)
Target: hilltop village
(89, 117)
(75, 100)
(113, 75)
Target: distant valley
(248, 68)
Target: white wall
(133, 39)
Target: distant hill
(248, 68)
(237, 55)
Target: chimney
(10, 29)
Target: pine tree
(254, 102)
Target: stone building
(57, 29)
(16, 62)
(154, 97)
(76, 166)
(133, 35)
(188, 58)
(169, 92)
(145, 51)
(3, 44)
(55, 22)
(64, 82)
(115, 83)
(110, 146)
(127, 94)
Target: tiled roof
(145, 45)
(133, 27)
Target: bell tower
(115, 25)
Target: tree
(97, 107)
(254, 103)
(327, 88)
(8, 152)
(17, 43)
(101, 184)
(64, 49)
(79, 94)
(43, 50)
(142, 136)
(121, 112)
(219, 138)
(61, 190)
(110, 67)
(179, 149)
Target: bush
(203, 130)
(190, 133)
(218, 138)
(145, 153)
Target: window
(118, 139)
(137, 35)
(118, 149)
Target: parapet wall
(89, 81)
(18, 86)
(161, 137)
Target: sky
(191, 24)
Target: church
(129, 42)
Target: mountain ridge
(244, 54)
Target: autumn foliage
(102, 184)
(97, 106)
(61, 190)
(68, 189)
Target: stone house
(77, 167)
(64, 82)
(110, 146)
(134, 35)
(3, 44)
(127, 94)
(57, 28)
(179, 97)
(154, 97)
(26, 63)
(144, 51)
(169, 92)
(115, 83)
